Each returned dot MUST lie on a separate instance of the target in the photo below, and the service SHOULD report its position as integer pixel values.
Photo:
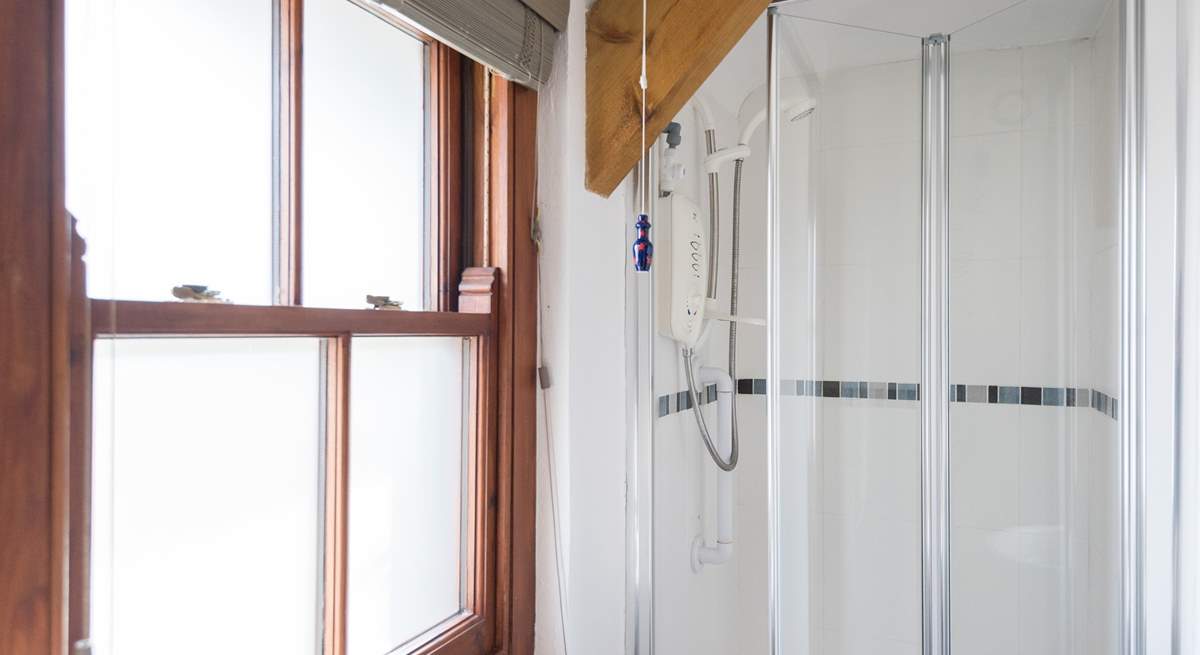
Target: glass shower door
(847, 459)
(1034, 143)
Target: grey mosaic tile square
(977, 393)
(877, 390)
(1008, 395)
(1054, 396)
(905, 391)
(664, 406)
(849, 390)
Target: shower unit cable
(935, 347)
(643, 248)
(544, 383)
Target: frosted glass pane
(168, 130)
(406, 480)
(364, 158)
(206, 496)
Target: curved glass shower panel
(1034, 332)
(848, 459)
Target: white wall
(583, 307)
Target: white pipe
(703, 114)
(722, 551)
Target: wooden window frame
(49, 324)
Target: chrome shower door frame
(935, 345)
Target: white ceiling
(834, 35)
(1021, 21)
(834, 38)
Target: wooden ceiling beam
(686, 41)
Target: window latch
(197, 293)
(385, 303)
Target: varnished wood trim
(289, 77)
(64, 304)
(445, 72)
(477, 292)
(513, 167)
(179, 318)
(336, 367)
(79, 584)
(523, 157)
(35, 284)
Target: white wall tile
(1042, 625)
(870, 204)
(1047, 191)
(871, 105)
(872, 578)
(1047, 314)
(1046, 86)
(984, 589)
(1045, 481)
(985, 321)
(985, 92)
(984, 446)
(985, 196)
(852, 642)
(871, 460)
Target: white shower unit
(940, 420)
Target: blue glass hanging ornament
(643, 250)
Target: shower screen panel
(1039, 234)
(1034, 331)
(847, 449)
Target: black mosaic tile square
(1031, 395)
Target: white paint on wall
(583, 308)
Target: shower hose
(689, 352)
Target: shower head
(795, 103)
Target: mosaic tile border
(989, 394)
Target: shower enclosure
(942, 437)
